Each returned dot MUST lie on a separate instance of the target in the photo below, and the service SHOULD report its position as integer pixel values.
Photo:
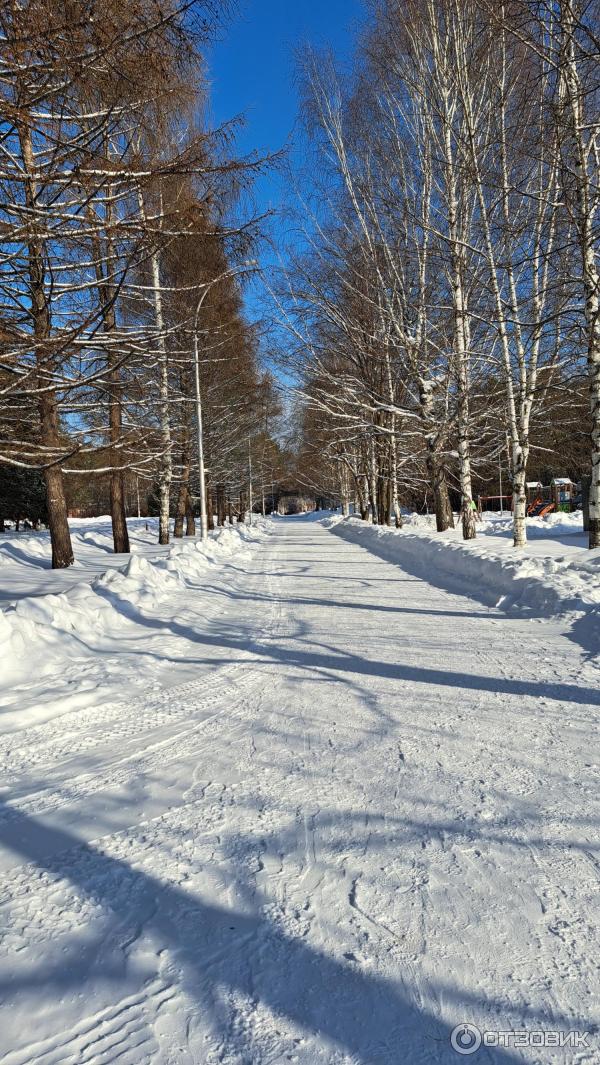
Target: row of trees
(122, 255)
(447, 307)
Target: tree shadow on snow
(307, 658)
(241, 952)
(585, 632)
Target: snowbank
(540, 584)
(26, 557)
(551, 526)
(57, 651)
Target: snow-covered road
(371, 816)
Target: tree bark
(393, 503)
(58, 524)
(60, 535)
(182, 498)
(583, 136)
(519, 496)
(210, 508)
(103, 254)
(372, 479)
(444, 517)
(221, 505)
(190, 520)
(461, 334)
(118, 511)
(165, 476)
(166, 468)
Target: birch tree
(578, 113)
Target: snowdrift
(57, 650)
(537, 585)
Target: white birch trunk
(393, 443)
(165, 475)
(166, 465)
(461, 344)
(519, 461)
(585, 136)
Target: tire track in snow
(120, 1031)
(230, 691)
(434, 841)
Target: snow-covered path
(372, 816)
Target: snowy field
(25, 557)
(315, 793)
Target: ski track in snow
(373, 817)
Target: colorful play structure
(559, 495)
(544, 499)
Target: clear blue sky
(252, 70)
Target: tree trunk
(393, 504)
(182, 498)
(461, 336)
(583, 135)
(210, 508)
(118, 513)
(117, 479)
(166, 469)
(190, 520)
(383, 497)
(60, 536)
(360, 502)
(58, 524)
(394, 499)
(103, 265)
(594, 494)
(165, 474)
(444, 517)
(464, 452)
(344, 490)
(373, 486)
(519, 496)
(221, 505)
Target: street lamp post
(250, 499)
(201, 473)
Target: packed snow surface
(330, 809)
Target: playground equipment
(538, 508)
(534, 489)
(498, 504)
(544, 499)
(560, 495)
(539, 500)
(563, 491)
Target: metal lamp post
(250, 499)
(201, 472)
